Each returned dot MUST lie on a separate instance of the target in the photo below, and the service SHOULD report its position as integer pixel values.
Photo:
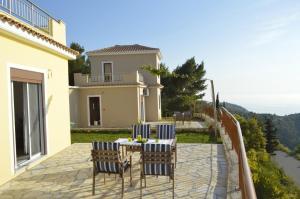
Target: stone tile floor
(201, 173)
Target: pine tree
(271, 136)
(80, 65)
(183, 86)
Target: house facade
(117, 93)
(33, 86)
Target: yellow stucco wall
(153, 111)
(57, 98)
(74, 107)
(59, 31)
(119, 106)
(124, 64)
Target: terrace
(28, 13)
(204, 170)
(32, 16)
(201, 172)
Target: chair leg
(122, 186)
(145, 180)
(175, 156)
(130, 170)
(93, 181)
(173, 182)
(141, 185)
(173, 187)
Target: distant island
(288, 126)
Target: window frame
(112, 70)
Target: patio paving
(201, 173)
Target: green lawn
(80, 136)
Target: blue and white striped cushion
(156, 168)
(166, 131)
(102, 166)
(141, 129)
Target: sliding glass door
(28, 121)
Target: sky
(251, 49)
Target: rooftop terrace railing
(233, 129)
(108, 79)
(28, 13)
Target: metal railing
(28, 13)
(107, 79)
(233, 129)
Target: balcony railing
(107, 79)
(28, 13)
(233, 129)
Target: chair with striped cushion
(141, 129)
(107, 159)
(168, 131)
(156, 160)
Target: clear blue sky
(251, 48)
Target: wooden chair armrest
(174, 142)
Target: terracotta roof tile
(25, 28)
(124, 48)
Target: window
(107, 71)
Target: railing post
(10, 5)
(32, 15)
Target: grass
(81, 136)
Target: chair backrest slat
(166, 131)
(141, 129)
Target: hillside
(236, 109)
(288, 127)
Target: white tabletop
(125, 142)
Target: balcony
(108, 79)
(30, 14)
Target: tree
(80, 65)
(217, 102)
(297, 149)
(271, 136)
(182, 87)
(252, 133)
(268, 179)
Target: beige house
(117, 93)
(33, 87)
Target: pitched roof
(11, 21)
(123, 49)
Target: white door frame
(88, 109)
(14, 165)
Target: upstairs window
(107, 71)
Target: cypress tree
(271, 136)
